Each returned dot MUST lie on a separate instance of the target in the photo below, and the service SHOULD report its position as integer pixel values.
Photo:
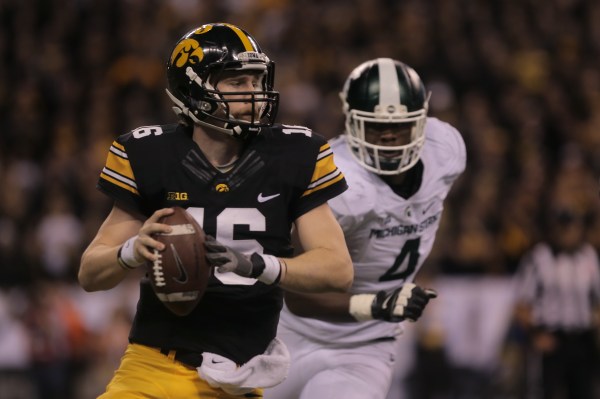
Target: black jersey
(283, 173)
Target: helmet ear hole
(205, 106)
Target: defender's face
(389, 135)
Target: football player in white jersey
(400, 166)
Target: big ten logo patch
(177, 196)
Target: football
(180, 275)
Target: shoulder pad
(144, 132)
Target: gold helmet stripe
(243, 37)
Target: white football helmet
(385, 91)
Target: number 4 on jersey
(410, 249)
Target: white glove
(406, 302)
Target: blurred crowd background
(520, 79)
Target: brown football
(180, 276)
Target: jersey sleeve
(326, 179)
(117, 179)
(456, 146)
(352, 207)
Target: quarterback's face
(244, 83)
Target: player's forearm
(99, 269)
(318, 270)
(332, 306)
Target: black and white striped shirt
(562, 288)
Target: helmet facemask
(386, 159)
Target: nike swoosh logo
(262, 198)
(428, 207)
(183, 278)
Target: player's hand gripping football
(265, 268)
(406, 302)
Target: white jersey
(389, 237)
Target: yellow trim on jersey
(243, 37)
(118, 162)
(324, 164)
(118, 169)
(336, 178)
(118, 183)
(118, 145)
(326, 172)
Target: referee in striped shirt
(558, 302)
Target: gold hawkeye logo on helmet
(188, 50)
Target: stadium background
(519, 78)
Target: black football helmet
(385, 91)
(195, 66)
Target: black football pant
(571, 369)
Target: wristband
(126, 255)
(361, 307)
(283, 271)
(272, 271)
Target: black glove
(265, 268)
(406, 302)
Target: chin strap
(237, 131)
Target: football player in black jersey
(248, 182)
